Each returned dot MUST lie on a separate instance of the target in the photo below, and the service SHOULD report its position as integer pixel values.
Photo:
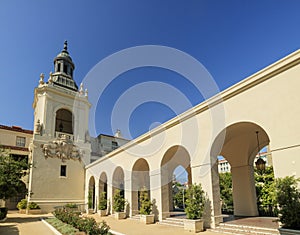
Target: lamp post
(260, 163)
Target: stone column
(156, 194)
(244, 193)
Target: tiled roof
(16, 128)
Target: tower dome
(64, 67)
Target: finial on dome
(66, 45)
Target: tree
(265, 191)
(195, 201)
(226, 192)
(11, 172)
(288, 197)
(146, 205)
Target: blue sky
(232, 39)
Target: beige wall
(266, 102)
(47, 187)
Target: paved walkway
(20, 224)
(133, 227)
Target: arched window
(64, 121)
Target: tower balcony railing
(59, 134)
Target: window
(114, 145)
(20, 141)
(65, 68)
(63, 170)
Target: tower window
(65, 68)
(63, 170)
(58, 67)
(20, 142)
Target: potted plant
(146, 207)
(90, 202)
(102, 204)
(194, 208)
(22, 206)
(28, 208)
(119, 205)
(288, 198)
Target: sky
(231, 39)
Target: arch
(103, 184)
(238, 144)
(173, 157)
(118, 182)
(140, 179)
(91, 193)
(64, 121)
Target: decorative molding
(62, 148)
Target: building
(15, 140)
(62, 150)
(224, 166)
(104, 144)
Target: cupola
(64, 67)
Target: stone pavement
(133, 227)
(20, 224)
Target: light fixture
(260, 163)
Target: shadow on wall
(155, 210)
(207, 214)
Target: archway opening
(239, 146)
(179, 186)
(64, 121)
(103, 184)
(91, 194)
(140, 181)
(118, 182)
(174, 157)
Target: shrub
(3, 212)
(33, 205)
(102, 201)
(119, 201)
(146, 205)
(195, 201)
(71, 205)
(88, 225)
(22, 204)
(90, 199)
(288, 198)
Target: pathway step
(244, 229)
(172, 222)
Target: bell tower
(60, 147)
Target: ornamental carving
(62, 148)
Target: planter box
(285, 231)
(120, 215)
(195, 226)
(22, 211)
(147, 219)
(102, 212)
(34, 212)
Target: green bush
(3, 212)
(22, 204)
(102, 201)
(33, 205)
(195, 202)
(146, 205)
(87, 225)
(90, 199)
(119, 201)
(288, 198)
(71, 205)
